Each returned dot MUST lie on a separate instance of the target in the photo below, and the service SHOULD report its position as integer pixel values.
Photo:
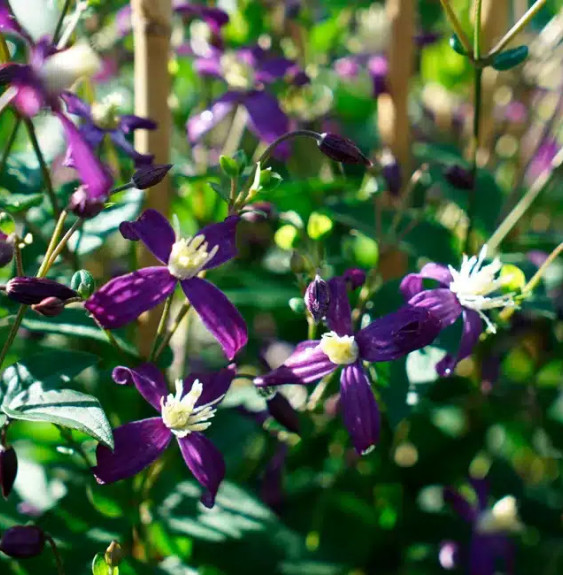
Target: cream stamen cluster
(502, 518)
(237, 73)
(189, 256)
(341, 350)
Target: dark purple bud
(148, 176)
(342, 150)
(391, 171)
(49, 307)
(354, 278)
(22, 541)
(378, 70)
(459, 177)
(258, 212)
(317, 298)
(83, 205)
(29, 290)
(8, 469)
(282, 411)
(6, 249)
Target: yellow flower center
(106, 113)
(188, 257)
(237, 73)
(341, 350)
(502, 518)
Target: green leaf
(100, 567)
(456, 45)
(510, 59)
(229, 166)
(66, 407)
(16, 203)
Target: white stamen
(237, 73)
(189, 256)
(341, 350)
(106, 112)
(502, 518)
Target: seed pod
(510, 58)
(83, 283)
(8, 469)
(317, 298)
(459, 177)
(84, 206)
(342, 150)
(30, 290)
(148, 176)
(49, 307)
(6, 249)
(22, 541)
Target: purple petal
(125, 298)
(481, 488)
(267, 120)
(215, 385)
(481, 556)
(8, 22)
(460, 505)
(128, 123)
(378, 69)
(222, 235)
(205, 462)
(123, 20)
(472, 328)
(215, 17)
(306, 364)
(137, 445)
(119, 139)
(359, 408)
(441, 302)
(412, 283)
(153, 229)
(272, 69)
(148, 380)
(271, 490)
(198, 125)
(90, 170)
(397, 334)
(210, 66)
(76, 105)
(339, 315)
(218, 314)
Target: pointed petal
(222, 235)
(359, 408)
(267, 120)
(306, 364)
(441, 303)
(339, 315)
(125, 298)
(273, 69)
(397, 334)
(218, 314)
(215, 384)
(412, 283)
(198, 125)
(153, 229)
(481, 556)
(76, 105)
(459, 504)
(472, 329)
(205, 462)
(210, 66)
(119, 139)
(137, 445)
(129, 123)
(148, 380)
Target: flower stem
(166, 340)
(62, 244)
(456, 25)
(52, 244)
(18, 256)
(161, 326)
(58, 29)
(12, 334)
(9, 144)
(58, 560)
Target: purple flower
(468, 293)
(102, 119)
(22, 541)
(490, 529)
(387, 338)
(31, 290)
(125, 298)
(184, 415)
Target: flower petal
(306, 364)
(205, 462)
(481, 488)
(128, 123)
(153, 229)
(397, 334)
(339, 315)
(267, 120)
(273, 69)
(125, 298)
(198, 125)
(119, 139)
(137, 445)
(412, 283)
(222, 235)
(441, 302)
(359, 408)
(459, 504)
(215, 384)
(76, 105)
(218, 314)
(148, 380)
(481, 556)
(472, 328)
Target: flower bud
(459, 177)
(342, 150)
(8, 469)
(22, 541)
(282, 411)
(83, 283)
(258, 212)
(49, 307)
(149, 176)
(354, 278)
(84, 206)
(6, 249)
(297, 305)
(317, 298)
(30, 290)
(391, 171)
(113, 554)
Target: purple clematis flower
(385, 339)
(490, 529)
(246, 72)
(125, 298)
(102, 119)
(184, 414)
(468, 293)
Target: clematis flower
(183, 415)
(490, 527)
(125, 298)
(469, 293)
(246, 71)
(385, 339)
(102, 119)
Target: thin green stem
(58, 560)
(9, 144)
(18, 256)
(62, 244)
(166, 340)
(477, 31)
(52, 244)
(456, 26)
(58, 29)
(161, 325)
(12, 334)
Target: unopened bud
(297, 305)
(282, 411)
(317, 298)
(83, 283)
(342, 150)
(354, 278)
(391, 171)
(49, 307)
(148, 176)
(113, 554)
(6, 249)
(8, 469)
(378, 70)
(258, 212)
(31, 290)
(459, 177)
(22, 541)
(84, 206)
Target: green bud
(297, 305)
(229, 166)
(113, 554)
(512, 278)
(83, 283)
(510, 59)
(242, 161)
(457, 46)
